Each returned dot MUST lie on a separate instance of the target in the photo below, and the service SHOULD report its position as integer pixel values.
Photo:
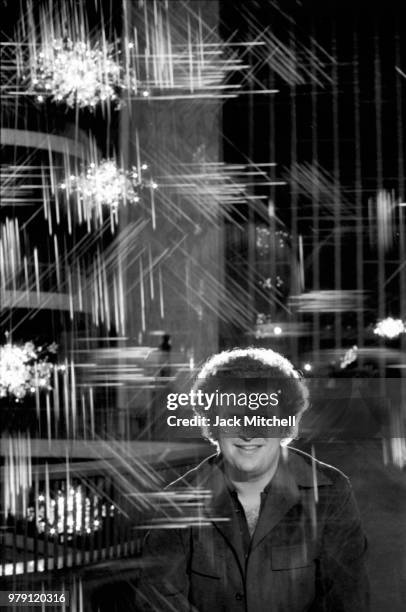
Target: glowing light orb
(349, 357)
(21, 370)
(76, 73)
(307, 367)
(105, 184)
(390, 328)
(277, 330)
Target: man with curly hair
(259, 526)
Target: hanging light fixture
(390, 328)
(106, 184)
(24, 369)
(75, 72)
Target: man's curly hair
(258, 363)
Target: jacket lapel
(283, 495)
(220, 510)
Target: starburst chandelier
(24, 369)
(105, 184)
(75, 72)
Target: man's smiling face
(250, 458)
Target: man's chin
(248, 466)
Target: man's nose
(245, 437)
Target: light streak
(329, 300)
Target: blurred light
(390, 328)
(75, 512)
(307, 367)
(75, 72)
(22, 370)
(350, 356)
(328, 300)
(277, 330)
(106, 184)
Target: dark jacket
(307, 551)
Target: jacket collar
(296, 470)
(293, 464)
(304, 468)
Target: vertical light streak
(47, 205)
(301, 263)
(190, 46)
(17, 473)
(294, 256)
(95, 301)
(26, 281)
(84, 420)
(57, 211)
(73, 400)
(70, 292)
(272, 251)
(36, 268)
(47, 492)
(379, 182)
(251, 215)
(116, 304)
(57, 263)
(37, 397)
(147, 49)
(358, 196)
(91, 410)
(337, 202)
(153, 214)
(69, 215)
(3, 266)
(271, 204)
(106, 294)
(121, 298)
(402, 217)
(316, 493)
(48, 413)
(79, 285)
(142, 297)
(151, 273)
(99, 285)
(315, 206)
(161, 294)
(56, 404)
(36, 507)
(66, 397)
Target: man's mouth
(248, 448)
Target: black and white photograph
(203, 305)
